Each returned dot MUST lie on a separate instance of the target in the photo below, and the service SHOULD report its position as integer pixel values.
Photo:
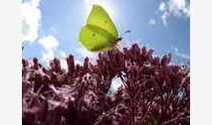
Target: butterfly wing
(100, 18)
(99, 33)
(95, 38)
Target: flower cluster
(153, 91)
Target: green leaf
(99, 33)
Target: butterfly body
(115, 42)
(99, 33)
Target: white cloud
(50, 44)
(31, 16)
(164, 18)
(64, 64)
(180, 54)
(31, 20)
(63, 61)
(176, 49)
(63, 54)
(152, 21)
(78, 62)
(162, 6)
(83, 52)
(48, 56)
(35, 2)
(177, 8)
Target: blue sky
(51, 27)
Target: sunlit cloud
(152, 21)
(50, 45)
(179, 7)
(164, 18)
(63, 61)
(176, 8)
(180, 54)
(31, 16)
(83, 53)
(47, 56)
(49, 42)
(63, 54)
(162, 6)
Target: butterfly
(99, 33)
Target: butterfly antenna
(126, 32)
